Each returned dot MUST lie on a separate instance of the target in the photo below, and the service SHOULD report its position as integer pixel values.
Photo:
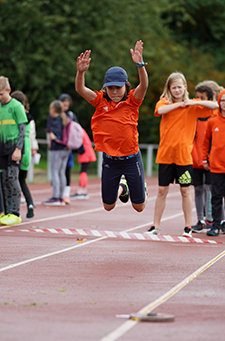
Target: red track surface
(70, 287)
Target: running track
(58, 286)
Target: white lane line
(73, 247)
(9, 267)
(128, 325)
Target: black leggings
(1, 196)
(11, 190)
(24, 187)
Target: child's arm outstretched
(83, 62)
(212, 105)
(165, 109)
(136, 54)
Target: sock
(66, 192)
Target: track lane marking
(118, 234)
(75, 246)
(12, 266)
(128, 325)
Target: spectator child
(215, 132)
(201, 177)
(26, 159)
(177, 129)
(114, 127)
(67, 104)
(12, 133)
(58, 152)
(84, 160)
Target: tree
(40, 41)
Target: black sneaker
(153, 230)
(222, 227)
(215, 231)
(199, 227)
(187, 232)
(30, 211)
(124, 197)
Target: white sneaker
(187, 232)
(153, 230)
(80, 196)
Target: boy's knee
(139, 207)
(109, 207)
(185, 191)
(163, 191)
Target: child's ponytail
(58, 107)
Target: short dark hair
(206, 89)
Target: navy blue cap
(115, 76)
(62, 97)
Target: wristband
(141, 64)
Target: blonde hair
(4, 83)
(216, 88)
(175, 76)
(57, 106)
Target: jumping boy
(114, 126)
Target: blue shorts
(133, 170)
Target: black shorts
(170, 173)
(132, 169)
(201, 176)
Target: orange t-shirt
(114, 125)
(177, 131)
(198, 142)
(215, 132)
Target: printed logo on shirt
(185, 178)
(217, 129)
(6, 122)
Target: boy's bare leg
(186, 204)
(160, 204)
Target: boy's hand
(83, 61)
(137, 52)
(206, 166)
(16, 156)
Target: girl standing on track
(59, 153)
(114, 127)
(177, 130)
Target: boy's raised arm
(83, 62)
(142, 87)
